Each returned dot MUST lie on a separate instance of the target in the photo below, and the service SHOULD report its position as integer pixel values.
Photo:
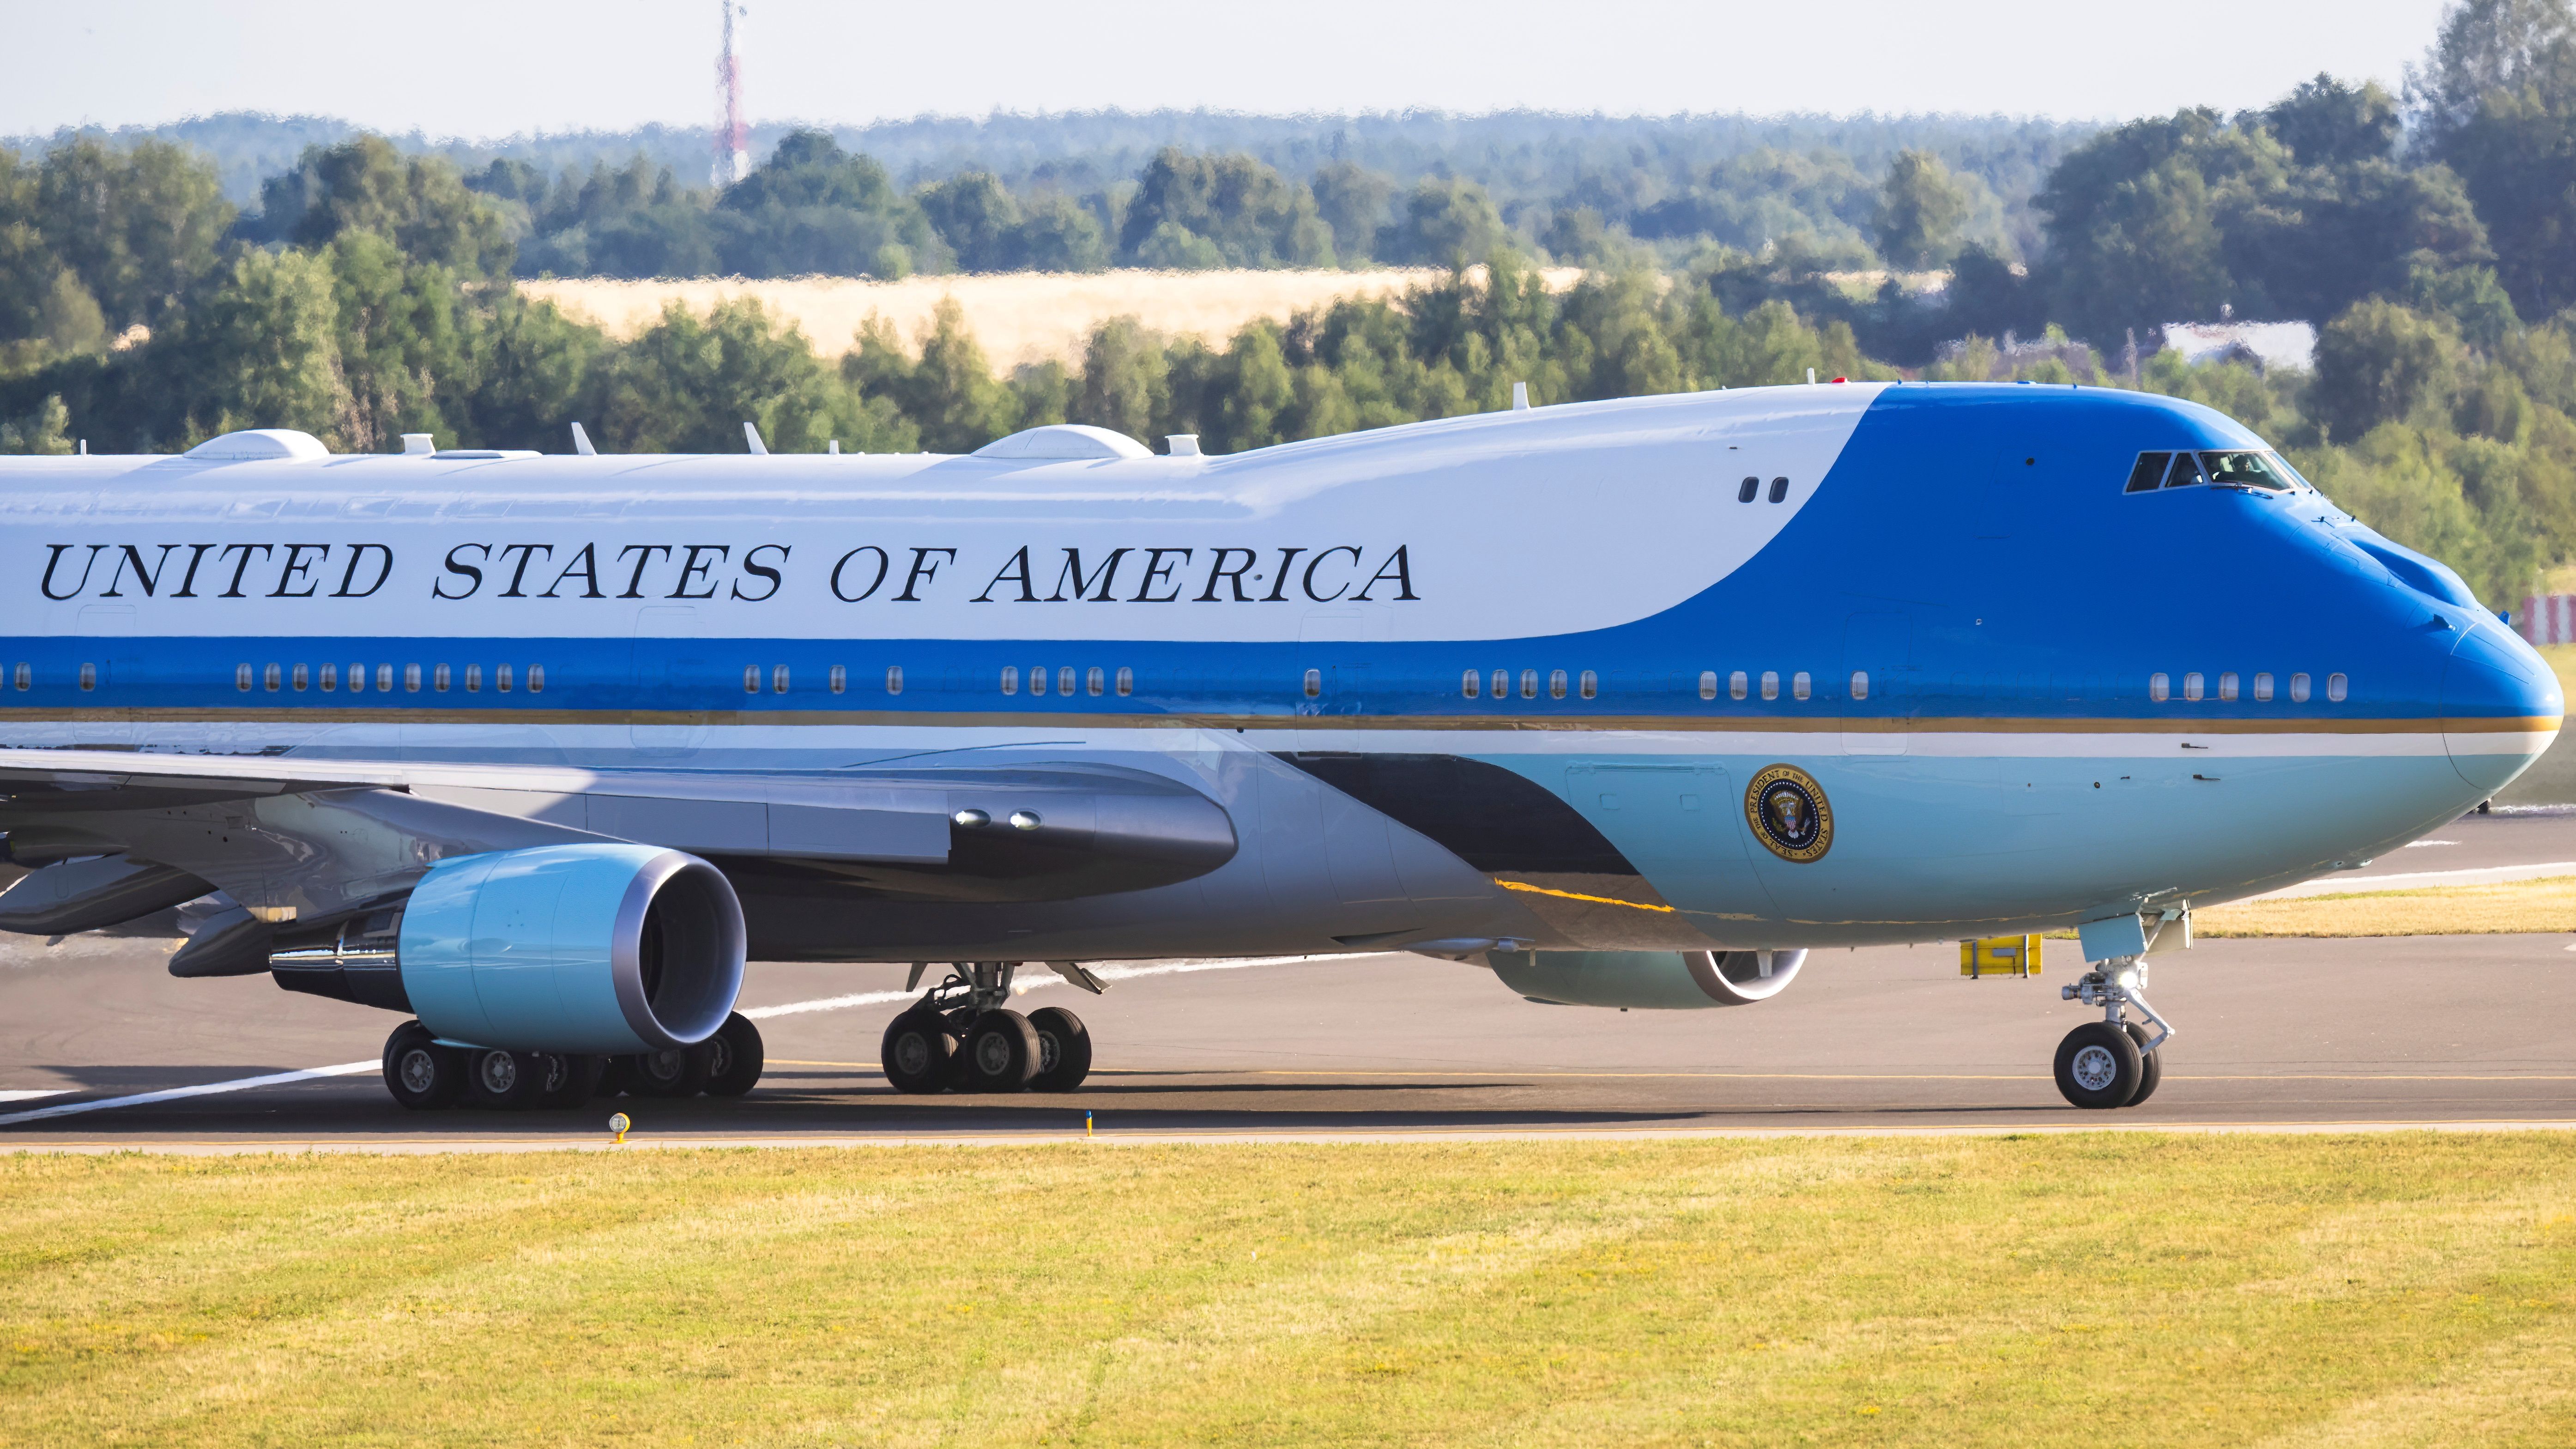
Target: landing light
(971, 818)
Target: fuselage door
(671, 671)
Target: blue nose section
(2501, 707)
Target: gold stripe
(1035, 719)
(1513, 885)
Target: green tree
(689, 384)
(43, 431)
(1445, 223)
(2325, 122)
(258, 349)
(1921, 209)
(1351, 200)
(1125, 381)
(1245, 211)
(2498, 94)
(2381, 363)
(949, 394)
(419, 203)
(138, 226)
(814, 208)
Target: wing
(309, 839)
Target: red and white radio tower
(733, 135)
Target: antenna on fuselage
(1520, 397)
(581, 443)
(751, 435)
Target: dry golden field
(1019, 317)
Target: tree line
(370, 295)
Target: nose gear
(2111, 1062)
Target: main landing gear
(963, 1037)
(2112, 1062)
(424, 1075)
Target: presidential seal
(1787, 810)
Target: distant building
(2264, 344)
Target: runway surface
(2300, 1034)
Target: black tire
(734, 1058)
(916, 1052)
(422, 1075)
(2151, 1067)
(1064, 1050)
(615, 1073)
(502, 1081)
(680, 1072)
(571, 1079)
(2098, 1066)
(1001, 1052)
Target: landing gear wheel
(570, 1080)
(2151, 1068)
(1064, 1050)
(734, 1058)
(501, 1081)
(422, 1075)
(679, 1072)
(1001, 1052)
(916, 1051)
(2098, 1066)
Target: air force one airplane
(1634, 702)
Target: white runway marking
(172, 1094)
(794, 1008)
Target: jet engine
(1648, 980)
(570, 948)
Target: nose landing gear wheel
(422, 1075)
(1064, 1050)
(915, 1052)
(2099, 1065)
(2151, 1068)
(1001, 1053)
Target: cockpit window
(2248, 470)
(2186, 471)
(2149, 475)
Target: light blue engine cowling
(1648, 980)
(573, 948)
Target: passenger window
(1590, 685)
(1798, 686)
(330, 678)
(750, 679)
(2337, 687)
(1095, 683)
(1736, 685)
(1529, 684)
(1860, 684)
(2186, 471)
(536, 679)
(1126, 682)
(2159, 688)
(2227, 685)
(357, 679)
(501, 678)
(1471, 684)
(26, 676)
(2262, 689)
(2149, 475)
(439, 678)
(272, 676)
(1770, 684)
(1314, 684)
(1745, 492)
(1064, 681)
(2191, 685)
(473, 679)
(241, 678)
(840, 679)
(89, 676)
(385, 678)
(2298, 689)
(1502, 684)
(1708, 684)
(1037, 679)
(1556, 684)
(894, 679)
(778, 679)
(1010, 679)
(303, 678)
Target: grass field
(1018, 317)
(2089, 1290)
(2514, 907)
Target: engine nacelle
(1648, 980)
(572, 948)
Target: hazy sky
(489, 68)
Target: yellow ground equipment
(2000, 956)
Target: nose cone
(2501, 706)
